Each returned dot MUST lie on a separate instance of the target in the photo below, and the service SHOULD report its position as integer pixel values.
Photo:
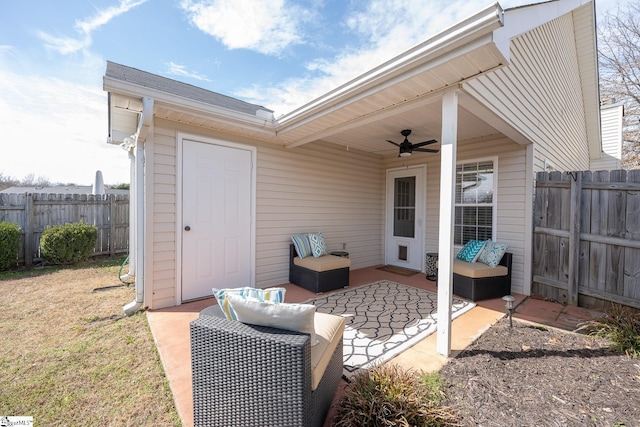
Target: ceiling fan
(406, 147)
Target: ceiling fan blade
(425, 150)
(394, 143)
(422, 144)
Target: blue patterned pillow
(302, 244)
(318, 247)
(471, 251)
(272, 295)
(493, 253)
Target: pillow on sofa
(272, 295)
(471, 251)
(302, 244)
(292, 317)
(318, 247)
(493, 253)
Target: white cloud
(84, 28)
(267, 27)
(384, 29)
(57, 130)
(181, 70)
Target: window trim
(494, 204)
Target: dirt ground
(534, 376)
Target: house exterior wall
(512, 207)
(611, 122)
(317, 187)
(539, 94)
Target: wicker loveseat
(246, 375)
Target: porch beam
(448, 150)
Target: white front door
(216, 218)
(405, 216)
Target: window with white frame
(475, 201)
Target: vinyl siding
(539, 94)
(316, 187)
(611, 120)
(511, 195)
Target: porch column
(448, 148)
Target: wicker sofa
(318, 274)
(246, 375)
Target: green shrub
(621, 326)
(69, 243)
(9, 244)
(387, 395)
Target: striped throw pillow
(272, 295)
(302, 244)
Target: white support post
(448, 148)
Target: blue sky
(277, 53)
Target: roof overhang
(404, 92)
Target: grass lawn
(69, 356)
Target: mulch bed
(530, 375)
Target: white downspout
(132, 215)
(138, 194)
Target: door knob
(187, 228)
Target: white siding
(511, 195)
(318, 187)
(538, 93)
(611, 122)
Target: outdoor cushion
(323, 263)
(329, 329)
(273, 295)
(476, 270)
(292, 317)
(302, 244)
(318, 246)
(471, 250)
(493, 253)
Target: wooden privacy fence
(586, 240)
(35, 211)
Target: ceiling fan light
(405, 154)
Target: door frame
(421, 209)
(180, 138)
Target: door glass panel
(404, 207)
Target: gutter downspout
(132, 213)
(138, 194)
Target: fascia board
(465, 32)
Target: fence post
(28, 231)
(574, 238)
(112, 224)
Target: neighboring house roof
(59, 189)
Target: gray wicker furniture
(476, 289)
(316, 281)
(246, 375)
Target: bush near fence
(32, 212)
